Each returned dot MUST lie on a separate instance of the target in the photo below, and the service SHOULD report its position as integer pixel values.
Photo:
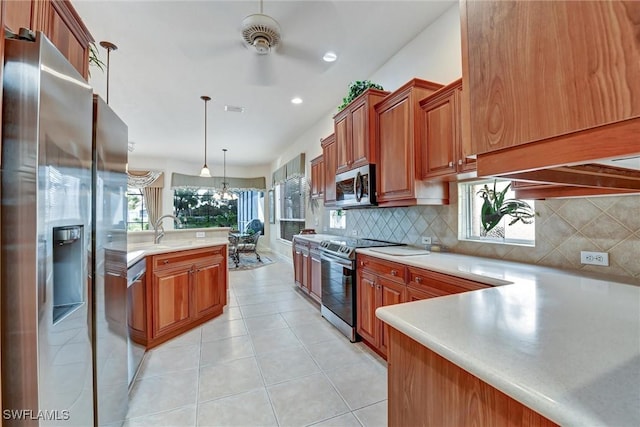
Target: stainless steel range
(339, 281)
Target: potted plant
(495, 207)
(355, 89)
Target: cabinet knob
(394, 272)
(418, 279)
(459, 161)
(378, 287)
(166, 261)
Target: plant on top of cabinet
(355, 90)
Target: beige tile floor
(269, 360)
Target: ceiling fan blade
(260, 69)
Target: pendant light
(204, 172)
(225, 190)
(109, 46)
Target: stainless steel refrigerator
(58, 297)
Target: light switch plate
(200, 234)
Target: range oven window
(338, 289)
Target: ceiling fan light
(262, 45)
(205, 172)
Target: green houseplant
(495, 207)
(355, 89)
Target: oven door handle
(332, 258)
(358, 187)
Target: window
(338, 219)
(291, 206)
(470, 218)
(137, 219)
(202, 208)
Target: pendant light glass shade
(205, 172)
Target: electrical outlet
(594, 258)
(354, 232)
(199, 234)
(426, 240)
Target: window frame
(465, 220)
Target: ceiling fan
(261, 32)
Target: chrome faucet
(159, 229)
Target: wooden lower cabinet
(381, 283)
(307, 267)
(170, 290)
(375, 290)
(137, 310)
(182, 289)
(426, 389)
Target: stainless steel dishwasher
(135, 351)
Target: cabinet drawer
(173, 259)
(387, 269)
(438, 284)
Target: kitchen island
(185, 285)
(564, 347)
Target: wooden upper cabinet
(541, 74)
(329, 155)
(441, 150)
(317, 177)
(397, 147)
(354, 130)
(59, 21)
(17, 14)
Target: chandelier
(225, 194)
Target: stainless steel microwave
(356, 188)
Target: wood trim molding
(71, 18)
(603, 142)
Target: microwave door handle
(357, 187)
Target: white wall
(434, 54)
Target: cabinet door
(66, 40)
(366, 307)
(317, 177)
(136, 309)
(208, 288)
(170, 299)
(511, 104)
(438, 148)
(330, 166)
(17, 14)
(297, 264)
(389, 293)
(306, 270)
(316, 276)
(360, 134)
(343, 143)
(396, 167)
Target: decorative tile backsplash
(564, 227)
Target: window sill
(507, 242)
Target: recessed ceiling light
(330, 57)
(296, 100)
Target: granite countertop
(565, 345)
(137, 251)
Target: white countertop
(137, 251)
(317, 237)
(564, 345)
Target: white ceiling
(172, 52)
